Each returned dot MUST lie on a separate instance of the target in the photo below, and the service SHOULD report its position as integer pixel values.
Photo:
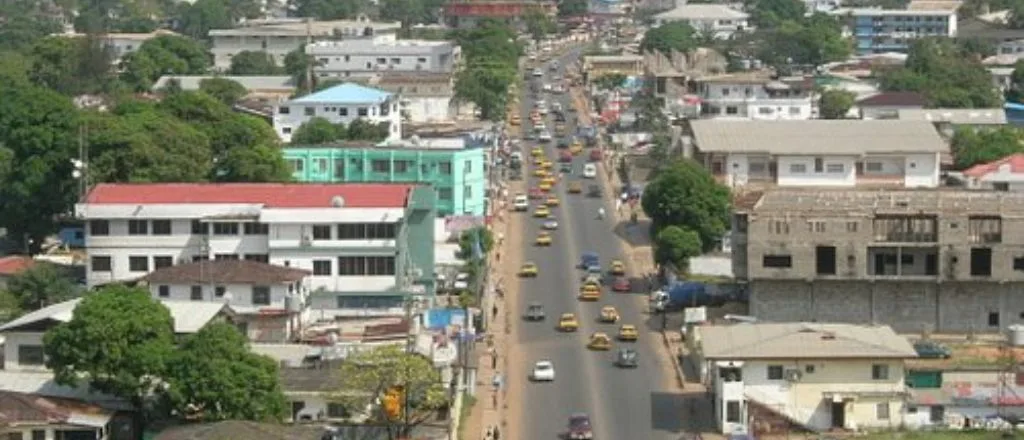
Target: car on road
(543, 239)
(542, 212)
(521, 203)
(589, 259)
(568, 322)
(550, 224)
(528, 270)
(544, 136)
(589, 171)
(599, 341)
(549, 180)
(627, 358)
(609, 314)
(535, 194)
(593, 191)
(543, 371)
(552, 201)
(565, 168)
(544, 186)
(628, 332)
(579, 427)
(575, 187)
(537, 73)
(595, 155)
(622, 285)
(617, 267)
(576, 147)
(932, 350)
(534, 312)
(562, 146)
(565, 157)
(540, 172)
(537, 152)
(546, 165)
(590, 292)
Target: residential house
(820, 153)
(596, 66)
(425, 97)
(270, 303)
(946, 120)
(23, 337)
(121, 44)
(820, 377)
(369, 246)
(887, 105)
(936, 260)
(1006, 174)
(756, 96)
(354, 58)
(893, 30)
(271, 89)
(467, 14)
(342, 104)
(34, 417)
(454, 167)
(948, 394)
(715, 20)
(12, 265)
(277, 37)
(671, 73)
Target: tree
(771, 13)
(318, 131)
(1015, 93)
(835, 103)
(468, 239)
(411, 12)
(223, 89)
(164, 55)
(674, 36)
(610, 81)
(249, 62)
(676, 245)
(364, 130)
(684, 194)
(539, 25)
(972, 146)
(214, 377)
(118, 341)
(944, 74)
(814, 41)
(572, 8)
(406, 385)
(41, 285)
(203, 15)
(260, 163)
(24, 24)
(146, 146)
(224, 127)
(329, 9)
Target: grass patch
(467, 405)
(943, 435)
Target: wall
(241, 294)
(12, 341)
(843, 174)
(285, 124)
(344, 57)
(422, 109)
(922, 170)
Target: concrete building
(941, 260)
(348, 58)
(369, 247)
(35, 417)
(467, 14)
(1007, 41)
(340, 104)
(820, 153)
(819, 377)
(596, 66)
(892, 30)
(946, 120)
(888, 105)
(425, 97)
(278, 37)
(454, 167)
(121, 44)
(271, 89)
(716, 20)
(1006, 174)
(755, 96)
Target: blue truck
(682, 294)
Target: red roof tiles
(15, 264)
(271, 195)
(1015, 161)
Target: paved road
(623, 404)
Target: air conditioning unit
(793, 375)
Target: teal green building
(454, 167)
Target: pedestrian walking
(494, 311)
(494, 362)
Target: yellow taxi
(540, 172)
(549, 179)
(537, 151)
(576, 148)
(575, 187)
(627, 332)
(618, 268)
(543, 239)
(542, 212)
(528, 270)
(599, 341)
(568, 323)
(546, 164)
(590, 292)
(544, 186)
(609, 314)
(552, 201)
(538, 161)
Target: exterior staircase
(794, 417)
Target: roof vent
(338, 202)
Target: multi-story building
(364, 57)
(1006, 174)
(714, 20)
(820, 377)
(340, 104)
(121, 44)
(466, 14)
(596, 66)
(455, 168)
(368, 246)
(278, 37)
(425, 97)
(892, 30)
(941, 260)
(820, 153)
(755, 96)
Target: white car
(589, 171)
(551, 225)
(461, 281)
(544, 136)
(521, 203)
(537, 73)
(543, 371)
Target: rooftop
(612, 58)
(421, 77)
(189, 316)
(966, 116)
(878, 12)
(894, 99)
(20, 409)
(15, 264)
(702, 12)
(238, 429)
(41, 383)
(127, 36)
(975, 28)
(297, 27)
(801, 340)
(226, 272)
(271, 195)
(934, 5)
(366, 46)
(251, 83)
(347, 93)
(838, 137)
(1015, 163)
(837, 202)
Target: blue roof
(347, 93)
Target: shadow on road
(666, 411)
(635, 234)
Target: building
(596, 66)
(269, 303)
(756, 96)
(1006, 174)
(942, 260)
(364, 57)
(340, 104)
(820, 377)
(717, 20)
(454, 167)
(887, 105)
(425, 97)
(278, 37)
(369, 246)
(820, 153)
(261, 88)
(467, 14)
(12, 265)
(1007, 41)
(28, 416)
(892, 30)
(121, 44)
(946, 120)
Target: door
(838, 415)
(296, 408)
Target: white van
(590, 171)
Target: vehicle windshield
(579, 422)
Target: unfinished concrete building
(925, 260)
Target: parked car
(932, 350)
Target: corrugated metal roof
(189, 316)
(348, 93)
(967, 116)
(702, 12)
(801, 340)
(191, 82)
(817, 137)
(273, 195)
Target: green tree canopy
(971, 146)
(771, 13)
(329, 9)
(492, 57)
(469, 237)
(225, 90)
(118, 341)
(249, 62)
(317, 131)
(677, 35)
(1015, 93)
(944, 74)
(164, 55)
(259, 163)
(676, 245)
(540, 25)
(214, 377)
(411, 12)
(198, 18)
(813, 40)
(572, 8)
(41, 285)
(72, 66)
(25, 23)
(835, 103)
(684, 194)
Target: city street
(641, 403)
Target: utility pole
(309, 62)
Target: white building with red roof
(1006, 174)
(362, 243)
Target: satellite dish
(338, 202)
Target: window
(138, 227)
(380, 266)
(321, 232)
(336, 411)
(467, 192)
(835, 168)
(797, 168)
(880, 372)
(794, 111)
(321, 267)
(339, 169)
(261, 295)
(199, 227)
(445, 167)
(825, 260)
(99, 227)
(777, 261)
(31, 355)
(351, 231)
(343, 111)
(219, 291)
(382, 61)
(732, 411)
(319, 165)
(775, 372)
(161, 227)
(380, 166)
(765, 111)
(819, 164)
(873, 167)
(757, 167)
(196, 293)
(421, 60)
(256, 228)
(351, 266)
(221, 228)
(396, 61)
(39, 434)
(444, 193)
(164, 291)
(402, 166)
(297, 165)
(851, 226)
(162, 261)
(882, 411)
(993, 319)
(816, 226)
(262, 258)
(100, 264)
(382, 230)
(284, 110)
(732, 110)
(225, 257)
(468, 167)
(981, 262)
(138, 264)
(286, 130)
(362, 111)
(310, 111)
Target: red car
(596, 155)
(622, 284)
(536, 194)
(579, 427)
(565, 157)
